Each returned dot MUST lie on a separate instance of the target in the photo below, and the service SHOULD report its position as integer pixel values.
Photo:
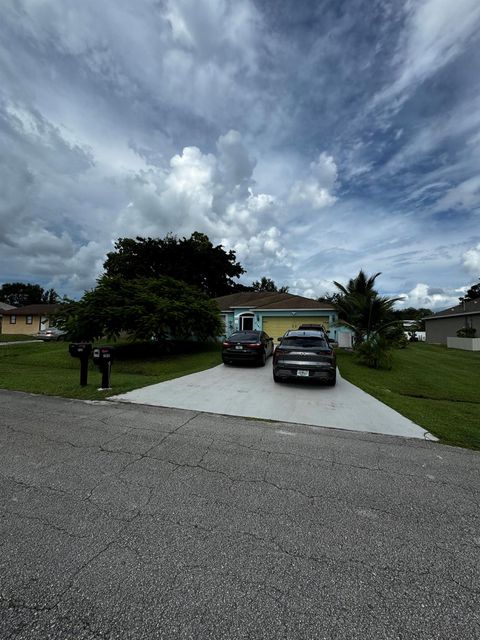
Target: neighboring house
(4, 307)
(27, 320)
(410, 331)
(445, 324)
(275, 313)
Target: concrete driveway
(250, 392)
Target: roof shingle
(269, 300)
(469, 306)
(32, 310)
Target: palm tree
(359, 285)
(361, 308)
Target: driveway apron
(251, 392)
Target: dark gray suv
(304, 355)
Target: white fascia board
(453, 315)
(295, 310)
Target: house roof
(5, 307)
(32, 310)
(263, 300)
(464, 308)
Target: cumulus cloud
(422, 295)
(471, 260)
(316, 189)
(311, 287)
(263, 251)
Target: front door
(246, 323)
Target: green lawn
(48, 368)
(5, 337)
(436, 387)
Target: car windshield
(301, 342)
(245, 336)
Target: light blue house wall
(232, 319)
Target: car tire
(333, 381)
(263, 359)
(277, 378)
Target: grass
(5, 337)
(47, 368)
(436, 387)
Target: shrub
(376, 352)
(466, 332)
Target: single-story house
(445, 324)
(275, 313)
(27, 320)
(4, 307)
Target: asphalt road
(123, 521)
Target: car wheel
(332, 382)
(276, 378)
(263, 359)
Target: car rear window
(252, 336)
(305, 342)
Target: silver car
(50, 335)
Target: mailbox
(102, 355)
(103, 358)
(81, 350)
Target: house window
(29, 320)
(13, 319)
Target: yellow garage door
(276, 327)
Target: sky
(313, 138)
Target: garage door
(276, 327)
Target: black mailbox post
(103, 358)
(82, 351)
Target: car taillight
(253, 345)
(280, 352)
(226, 343)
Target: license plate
(239, 346)
(302, 373)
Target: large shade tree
(473, 293)
(144, 308)
(193, 260)
(267, 284)
(20, 294)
